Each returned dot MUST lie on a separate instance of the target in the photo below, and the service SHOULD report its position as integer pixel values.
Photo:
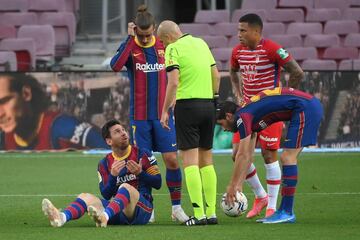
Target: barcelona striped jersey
(146, 70)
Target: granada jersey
(270, 106)
(150, 175)
(146, 70)
(260, 68)
(57, 131)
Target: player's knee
(171, 162)
(86, 197)
(127, 186)
(286, 158)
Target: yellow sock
(209, 181)
(194, 187)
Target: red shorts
(269, 138)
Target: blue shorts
(304, 125)
(149, 134)
(142, 213)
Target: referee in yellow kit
(193, 80)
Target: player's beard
(27, 123)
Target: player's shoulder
(143, 152)
(159, 44)
(270, 44)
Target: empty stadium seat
(24, 49)
(259, 4)
(321, 40)
(44, 38)
(7, 61)
(356, 64)
(196, 29)
(345, 65)
(304, 28)
(7, 31)
(212, 16)
(352, 14)
(46, 5)
(64, 26)
(216, 41)
(222, 54)
(14, 5)
(352, 40)
(241, 12)
(224, 29)
(340, 53)
(19, 18)
(273, 28)
(233, 41)
(72, 5)
(323, 14)
(288, 40)
(296, 3)
(303, 53)
(341, 27)
(285, 15)
(340, 4)
(354, 3)
(318, 65)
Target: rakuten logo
(147, 67)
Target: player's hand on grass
(165, 120)
(131, 29)
(134, 167)
(116, 168)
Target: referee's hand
(165, 120)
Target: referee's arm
(215, 76)
(170, 97)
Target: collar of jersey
(22, 142)
(152, 43)
(117, 158)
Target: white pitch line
(162, 194)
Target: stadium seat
(7, 61)
(304, 28)
(7, 31)
(224, 29)
(352, 40)
(352, 14)
(241, 12)
(212, 16)
(321, 40)
(303, 53)
(345, 65)
(18, 19)
(354, 3)
(196, 29)
(318, 65)
(341, 27)
(216, 41)
(64, 24)
(72, 5)
(24, 49)
(233, 41)
(273, 28)
(340, 53)
(356, 64)
(323, 14)
(285, 15)
(289, 40)
(14, 5)
(259, 4)
(46, 6)
(222, 54)
(44, 38)
(340, 4)
(296, 3)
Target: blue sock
(289, 181)
(173, 181)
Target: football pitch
(327, 203)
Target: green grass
(327, 200)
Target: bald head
(168, 32)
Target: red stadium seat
(7, 61)
(341, 27)
(321, 40)
(7, 31)
(212, 16)
(319, 65)
(196, 29)
(72, 5)
(224, 29)
(345, 65)
(352, 40)
(323, 14)
(340, 53)
(303, 53)
(296, 3)
(285, 15)
(352, 14)
(215, 41)
(222, 54)
(259, 4)
(354, 3)
(273, 28)
(304, 28)
(356, 64)
(340, 4)
(14, 5)
(19, 18)
(289, 40)
(241, 12)
(46, 6)
(24, 49)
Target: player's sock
(253, 180)
(194, 187)
(289, 181)
(119, 203)
(209, 183)
(273, 179)
(173, 181)
(75, 210)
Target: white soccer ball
(240, 205)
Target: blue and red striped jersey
(144, 182)
(268, 107)
(146, 70)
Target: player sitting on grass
(127, 176)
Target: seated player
(127, 176)
(304, 112)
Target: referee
(193, 80)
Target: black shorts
(194, 123)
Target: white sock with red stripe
(253, 180)
(273, 179)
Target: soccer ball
(240, 205)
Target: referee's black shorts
(194, 123)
